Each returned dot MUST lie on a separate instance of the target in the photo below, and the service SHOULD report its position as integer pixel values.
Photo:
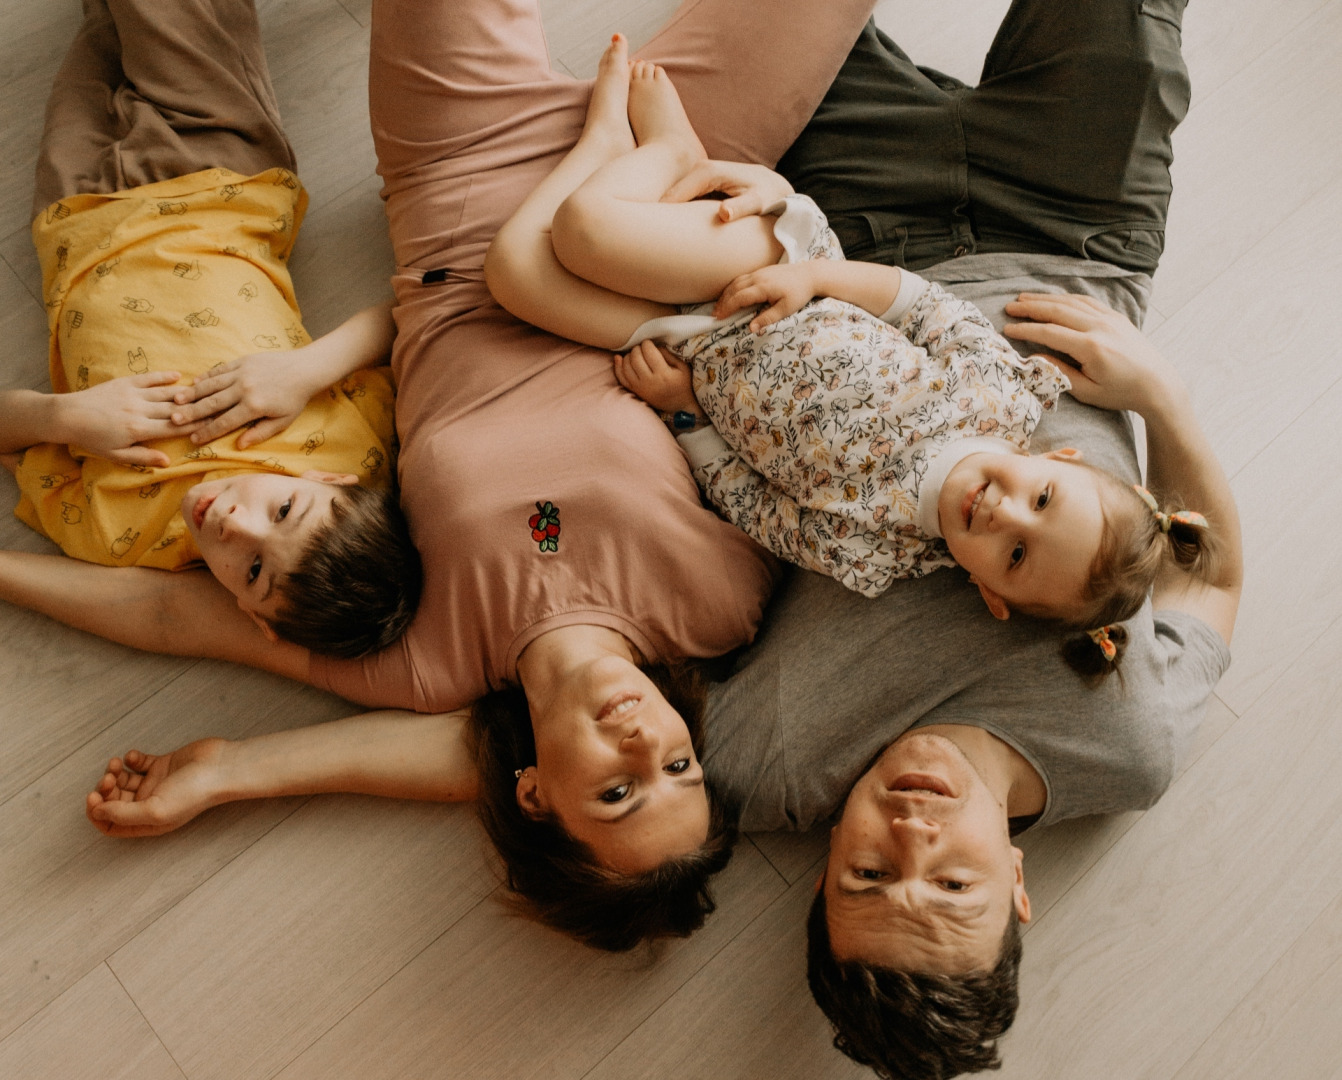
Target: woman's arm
(1115, 367)
(187, 613)
(274, 388)
(391, 753)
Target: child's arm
(396, 754)
(1115, 367)
(275, 388)
(108, 420)
(787, 287)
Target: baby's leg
(614, 232)
(520, 266)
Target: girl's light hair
(1133, 551)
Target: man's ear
(1065, 453)
(1018, 894)
(995, 603)
(529, 796)
(343, 479)
(265, 626)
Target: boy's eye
(254, 571)
(284, 509)
(615, 794)
(1017, 553)
(679, 765)
(1042, 501)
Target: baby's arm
(274, 388)
(392, 753)
(108, 420)
(1115, 367)
(787, 287)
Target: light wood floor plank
(23, 330)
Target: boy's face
(1027, 527)
(252, 529)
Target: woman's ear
(529, 794)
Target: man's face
(921, 873)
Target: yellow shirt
(179, 276)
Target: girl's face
(1027, 527)
(615, 764)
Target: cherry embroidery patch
(545, 526)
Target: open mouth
(198, 511)
(922, 784)
(971, 504)
(618, 707)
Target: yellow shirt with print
(180, 275)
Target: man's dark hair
(356, 586)
(557, 879)
(910, 1025)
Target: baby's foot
(148, 795)
(608, 108)
(656, 114)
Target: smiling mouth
(618, 707)
(922, 784)
(971, 504)
(198, 512)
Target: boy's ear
(343, 479)
(995, 603)
(265, 626)
(528, 794)
(1065, 453)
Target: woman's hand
(785, 288)
(752, 189)
(112, 418)
(149, 795)
(1112, 366)
(659, 378)
(267, 387)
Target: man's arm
(391, 753)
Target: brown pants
(151, 90)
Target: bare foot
(656, 114)
(608, 107)
(149, 795)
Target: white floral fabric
(832, 416)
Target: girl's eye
(1042, 501)
(615, 794)
(254, 571)
(679, 765)
(1017, 553)
(283, 511)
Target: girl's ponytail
(1095, 654)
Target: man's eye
(954, 886)
(1017, 553)
(1043, 499)
(869, 874)
(615, 794)
(284, 509)
(254, 571)
(679, 765)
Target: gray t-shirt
(834, 677)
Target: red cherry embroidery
(544, 525)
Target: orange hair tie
(1183, 517)
(1102, 639)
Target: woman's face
(615, 765)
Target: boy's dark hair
(356, 586)
(557, 879)
(911, 1025)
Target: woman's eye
(1017, 553)
(254, 571)
(679, 765)
(284, 509)
(615, 794)
(1042, 501)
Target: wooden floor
(348, 937)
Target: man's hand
(110, 419)
(267, 387)
(752, 189)
(1112, 366)
(785, 288)
(660, 379)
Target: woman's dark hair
(1134, 548)
(909, 1025)
(556, 878)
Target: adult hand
(1112, 366)
(752, 189)
(112, 418)
(266, 387)
(786, 288)
(659, 378)
(149, 795)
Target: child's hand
(267, 387)
(660, 379)
(752, 189)
(1113, 365)
(786, 288)
(110, 419)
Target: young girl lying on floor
(865, 422)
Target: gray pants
(152, 90)
(1063, 147)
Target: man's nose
(915, 829)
